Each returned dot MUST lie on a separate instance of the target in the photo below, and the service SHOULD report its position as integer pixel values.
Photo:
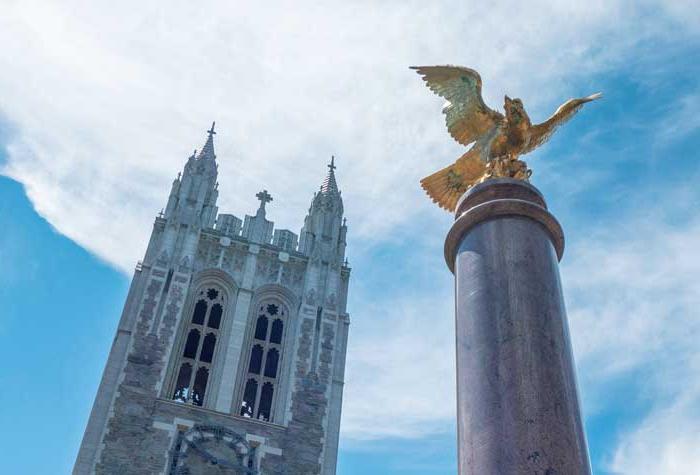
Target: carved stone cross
(264, 198)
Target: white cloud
(668, 440)
(632, 295)
(681, 119)
(634, 307)
(109, 98)
(632, 301)
(400, 375)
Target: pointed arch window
(197, 354)
(264, 357)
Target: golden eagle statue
(498, 140)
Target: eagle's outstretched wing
(446, 186)
(466, 115)
(540, 133)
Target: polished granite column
(517, 402)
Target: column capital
(495, 198)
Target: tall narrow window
(276, 333)
(264, 356)
(215, 316)
(192, 344)
(271, 363)
(265, 401)
(200, 386)
(199, 347)
(183, 382)
(207, 352)
(261, 328)
(256, 355)
(249, 395)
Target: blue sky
(101, 105)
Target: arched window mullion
(190, 386)
(257, 399)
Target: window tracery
(197, 355)
(263, 362)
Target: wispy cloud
(632, 295)
(633, 305)
(109, 98)
(667, 441)
(400, 377)
(681, 119)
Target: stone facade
(229, 356)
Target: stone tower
(230, 353)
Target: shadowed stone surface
(518, 409)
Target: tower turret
(324, 231)
(194, 193)
(191, 207)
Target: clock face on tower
(208, 450)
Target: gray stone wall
(130, 444)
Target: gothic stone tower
(230, 352)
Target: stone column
(517, 401)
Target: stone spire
(329, 184)
(208, 149)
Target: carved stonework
(201, 256)
(285, 278)
(185, 264)
(311, 297)
(331, 301)
(267, 269)
(208, 449)
(293, 275)
(238, 260)
(273, 271)
(163, 259)
(226, 259)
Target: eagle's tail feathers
(446, 186)
(439, 188)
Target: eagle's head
(515, 111)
